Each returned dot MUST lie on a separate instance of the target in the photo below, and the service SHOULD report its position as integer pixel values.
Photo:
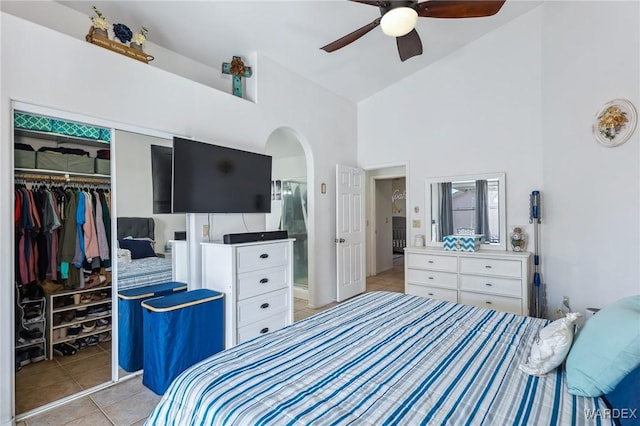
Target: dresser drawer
(505, 268)
(262, 306)
(251, 258)
(263, 326)
(263, 281)
(437, 278)
(505, 286)
(489, 301)
(432, 262)
(432, 292)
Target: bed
(380, 358)
(144, 271)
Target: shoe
(31, 334)
(97, 311)
(96, 297)
(68, 316)
(22, 358)
(32, 312)
(88, 326)
(94, 280)
(36, 354)
(57, 319)
(50, 287)
(81, 313)
(92, 340)
(102, 323)
(81, 343)
(74, 330)
(85, 298)
(104, 337)
(57, 334)
(64, 349)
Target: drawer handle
(489, 284)
(264, 280)
(264, 330)
(487, 302)
(264, 255)
(429, 294)
(430, 278)
(264, 306)
(430, 261)
(487, 266)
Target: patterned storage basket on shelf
(22, 120)
(76, 129)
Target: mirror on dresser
(470, 204)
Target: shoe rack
(30, 342)
(79, 318)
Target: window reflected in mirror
(467, 205)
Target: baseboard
(300, 293)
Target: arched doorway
(291, 203)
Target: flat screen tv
(215, 179)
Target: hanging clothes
(56, 230)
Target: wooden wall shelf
(120, 48)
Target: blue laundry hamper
(179, 331)
(130, 330)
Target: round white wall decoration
(614, 124)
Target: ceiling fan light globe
(399, 21)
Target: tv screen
(215, 179)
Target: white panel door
(350, 237)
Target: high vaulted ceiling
(292, 32)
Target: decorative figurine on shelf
(122, 33)
(100, 24)
(238, 70)
(518, 239)
(139, 38)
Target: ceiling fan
(398, 19)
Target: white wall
(134, 191)
(475, 111)
(590, 197)
(521, 100)
(44, 67)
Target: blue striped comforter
(381, 358)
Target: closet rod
(55, 178)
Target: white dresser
(488, 278)
(256, 279)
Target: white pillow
(551, 346)
(124, 255)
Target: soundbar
(249, 237)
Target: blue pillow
(138, 248)
(625, 399)
(606, 349)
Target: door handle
(340, 240)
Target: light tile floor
(129, 403)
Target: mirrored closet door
(63, 258)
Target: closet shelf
(82, 305)
(20, 172)
(82, 321)
(81, 335)
(60, 138)
(30, 343)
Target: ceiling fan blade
(458, 9)
(369, 2)
(409, 45)
(351, 37)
